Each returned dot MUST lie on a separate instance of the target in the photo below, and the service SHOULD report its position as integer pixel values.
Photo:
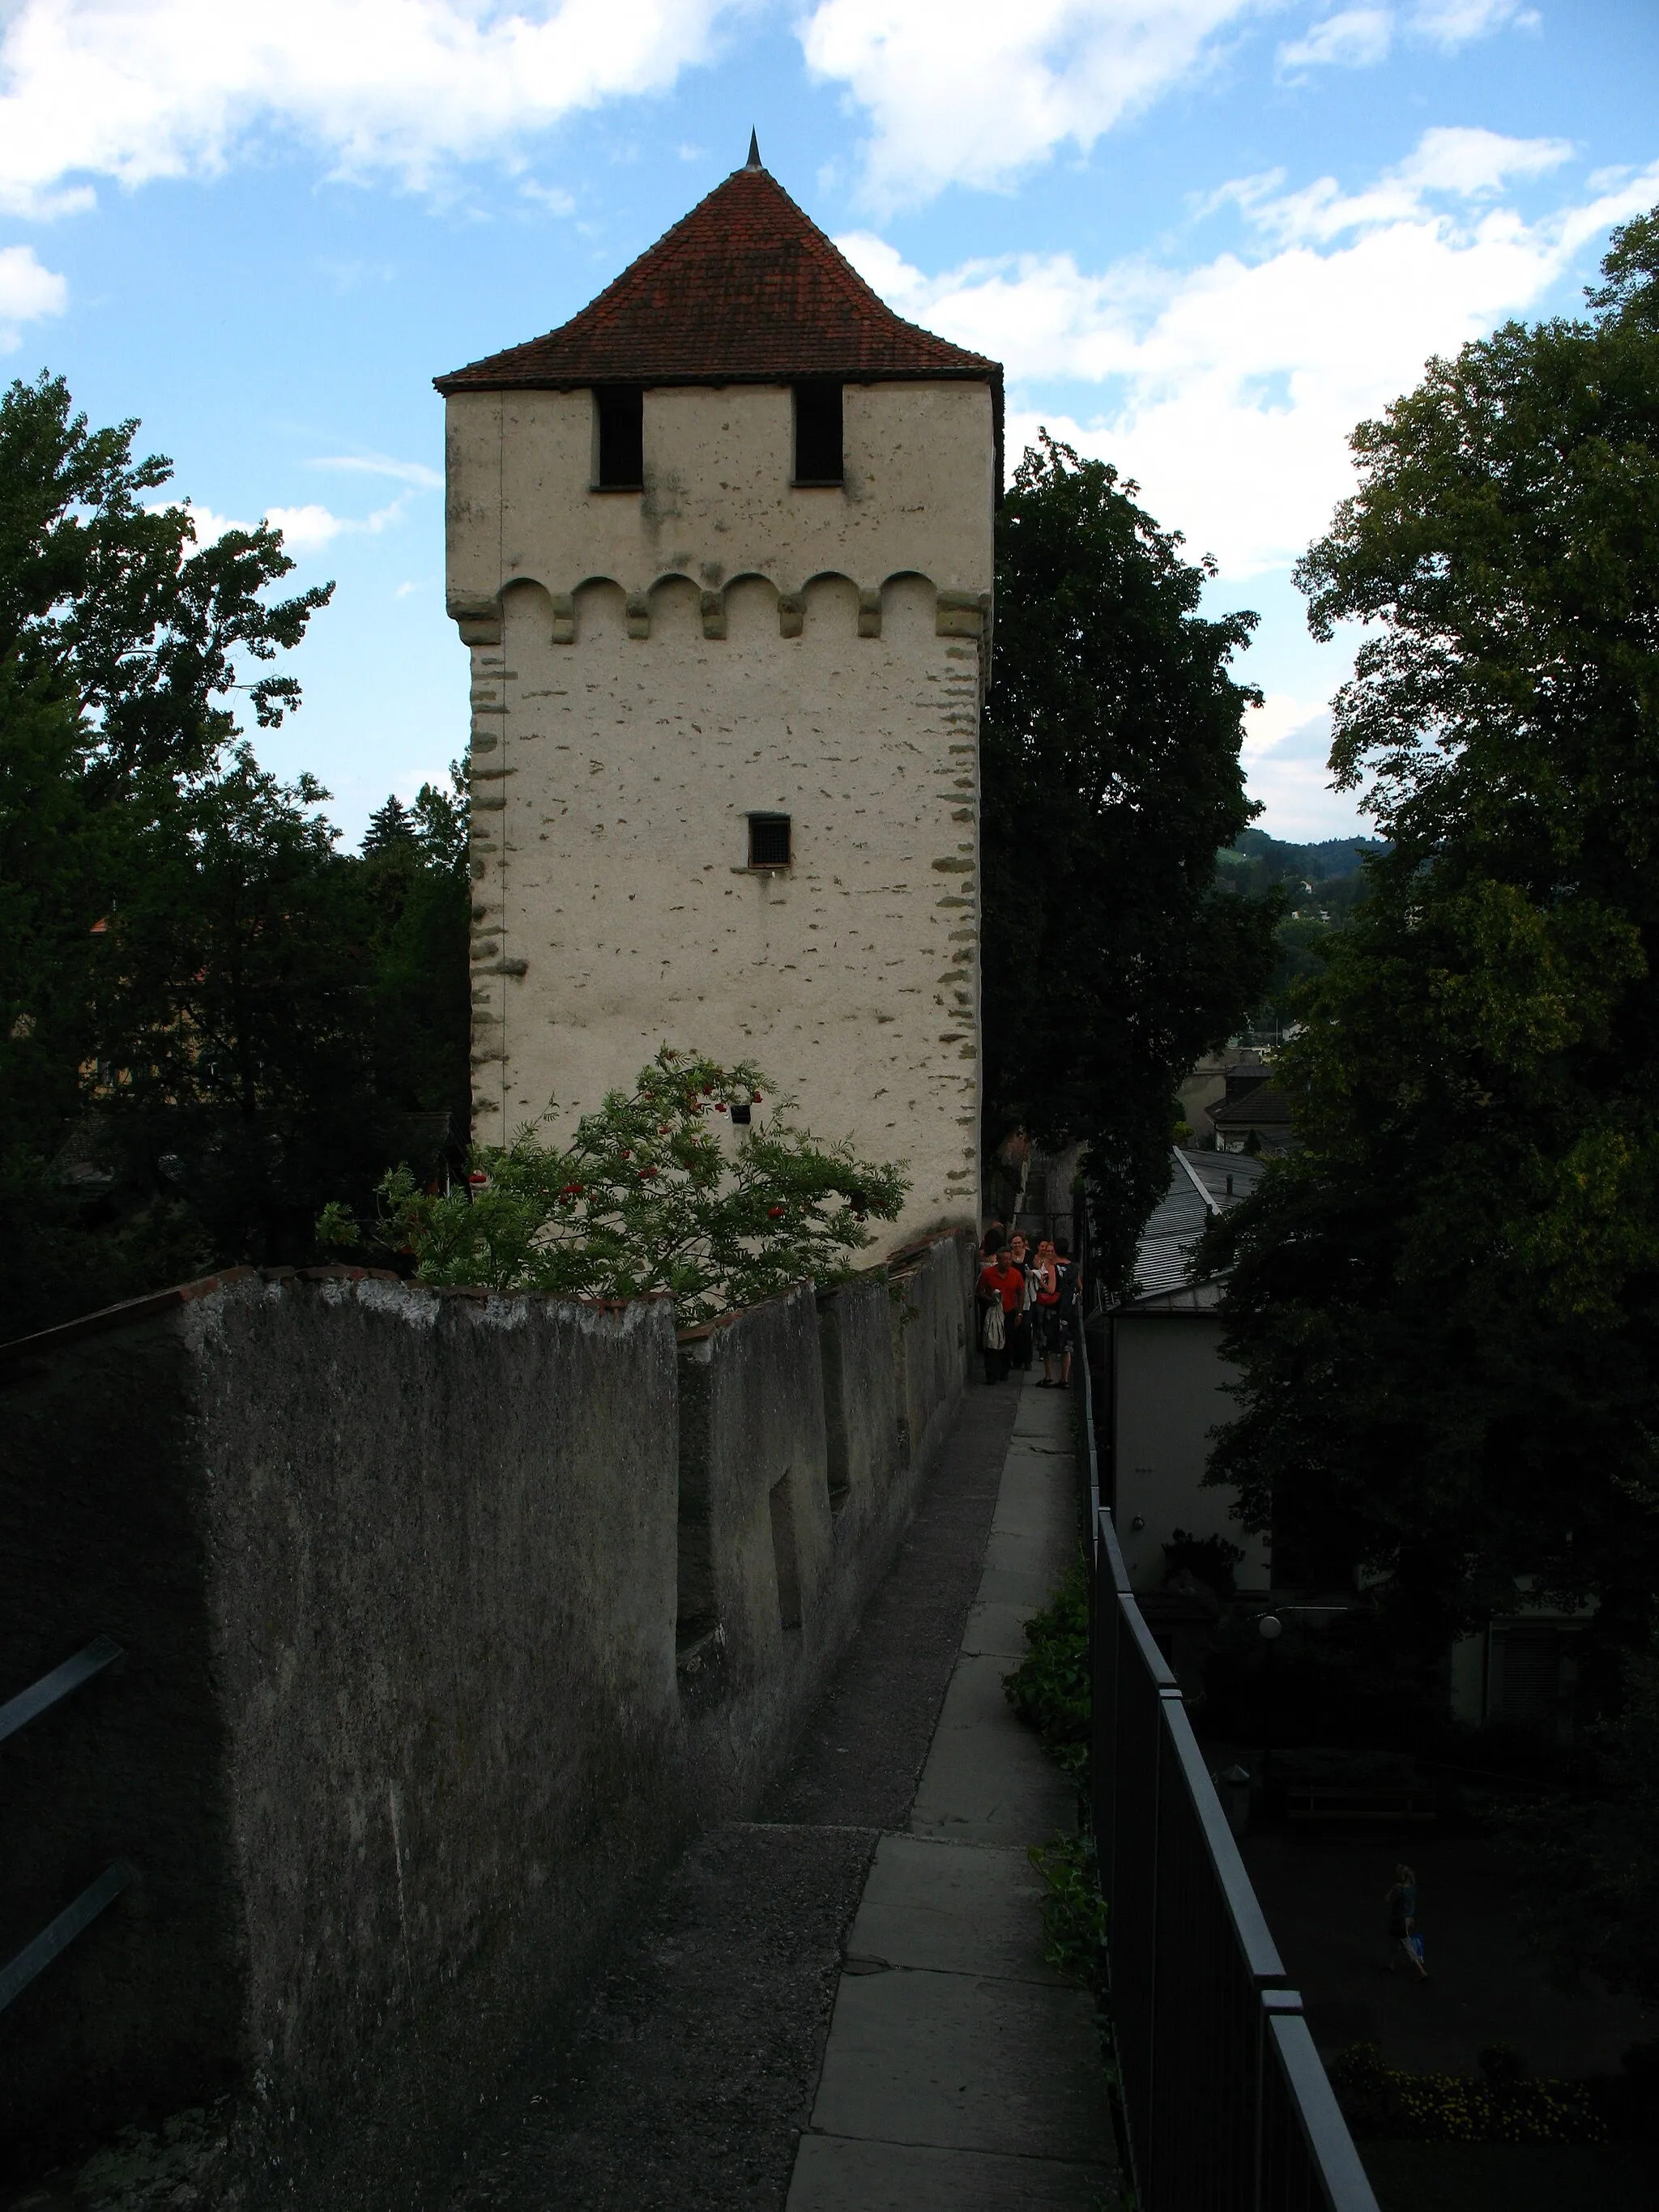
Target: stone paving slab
(833, 2174)
(955, 1908)
(985, 1782)
(964, 2061)
(997, 1625)
(959, 2071)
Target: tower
(721, 548)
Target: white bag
(994, 1339)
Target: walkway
(957, 2071)
(962, 2075)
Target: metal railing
(17, 1712)
(1226, 2107)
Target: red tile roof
(743, 290)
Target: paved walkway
(885, 1885)
(961, 2072)
(884, 1888)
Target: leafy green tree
(209, 1016)
(414, 879)
(1112, 958)
(121, 644)
(646, 1197)
(1446, 1308)
(1591, 1861)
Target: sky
(1206, 238)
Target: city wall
(447, 1619)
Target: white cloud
(974, 91)
(1352, 39)
(305, 529)
(1358, 37)
(1229, 389)
(27, 292)
(1289, 772)
(1450, 24)
(415, 473)
(1464, 163)
(138, 89)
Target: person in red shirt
(1001, 1291)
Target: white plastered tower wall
(650, 668)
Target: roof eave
(479, 378)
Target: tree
(121, 642)
(389, 825)
(210, 1017)
(1591, 1862)
(418, 895)
(646, 1198)
(1112, 958)
(1446, 1308)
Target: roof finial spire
(754, 161)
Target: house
(1255, 1115)
(1202, 1091)
(1167, 1382)
(720, 550)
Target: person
(1045, 1299)
(1401, 1901)
(1060, 1318)
(1002, 1286)
(994, 1238)
(1020, 1327)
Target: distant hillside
(1257, 860)
(1323, 885)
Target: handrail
(35, 1957)
(1226, 2107)
(41, 1697)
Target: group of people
(1028, 1307)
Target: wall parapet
(448, 1617)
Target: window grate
(768, 841)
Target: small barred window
(768, 841)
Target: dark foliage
(1591, 1859)
(209, 1019)
(1111, 778)
(1050, 1685)
(1446, 1307)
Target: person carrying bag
(1000, 1292)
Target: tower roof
(743, 290)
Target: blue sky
(1205, 236)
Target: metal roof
(1200, 1184)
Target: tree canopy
(1110, 759)
(1446, 1307)
(209, 1016)
(646, 1197)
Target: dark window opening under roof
(818, 432)
(621, 408)
(768, 841)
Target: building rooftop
(745, 288)
(1200, 1183)
(1256, 1106)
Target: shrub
(1074, 1912)
(1050, 1686)
(1384, 2104)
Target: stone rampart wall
(447, 1618)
